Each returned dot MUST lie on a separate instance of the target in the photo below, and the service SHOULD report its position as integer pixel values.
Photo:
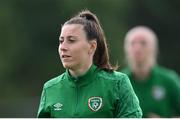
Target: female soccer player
(89, 87)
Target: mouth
(65, 56)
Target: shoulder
(112, 76)
(54, 81)
(165, 72)
(120, 81)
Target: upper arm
(128, 104)
(43, 110)
(175, 95)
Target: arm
(175, 94)
(43, 111)
(128, 103)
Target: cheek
(81, 52)
(130, 52)
(149, 52)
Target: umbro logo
(58, 106)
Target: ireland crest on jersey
(95, 103)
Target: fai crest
(95, 103)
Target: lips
(65, 57)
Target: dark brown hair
(94, 31)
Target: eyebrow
(61, 37)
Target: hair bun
(86, 14)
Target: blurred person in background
(90, 87)
(157, 88)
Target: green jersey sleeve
(128, 103)
(43, 111)
(174, 85)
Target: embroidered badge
(158, 92)
(95, 103)
(58, 106)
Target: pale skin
(141, 51)
(75, 51)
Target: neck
(80, 70)
(141, 72)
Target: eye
(132, 43)
(143, 43)
(61, 41)
(71, 40)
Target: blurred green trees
(29, 32)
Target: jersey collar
(146, 81)
(88, 77)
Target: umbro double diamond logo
(58, 106)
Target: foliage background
(29, 31)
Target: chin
(67, 66)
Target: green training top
(95, 94)
(159, 94)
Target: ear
(93, 46)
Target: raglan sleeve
(43, 111)
(127, 105)
(174, 86)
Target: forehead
(72, 29)
(140, 36)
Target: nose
(63, 46)
(137, 46)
